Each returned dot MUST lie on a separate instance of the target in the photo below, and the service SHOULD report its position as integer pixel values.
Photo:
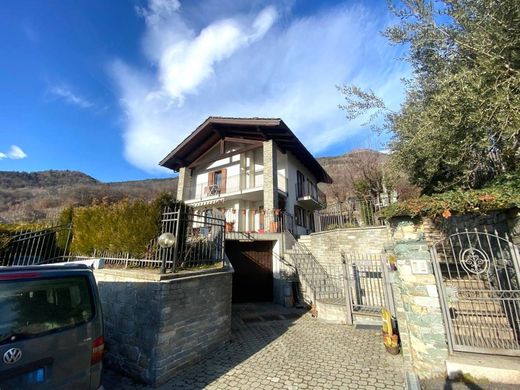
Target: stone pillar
(270, 176)
(421, 325)
(183, 184)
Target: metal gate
(367, 285)
(477, 276)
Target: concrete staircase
(317, 279)
(320, 287)
(479, 319)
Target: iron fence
(198, 243)
(48, 245)
(354, 213)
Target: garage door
(253, 264)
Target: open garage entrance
(253, 264)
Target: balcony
(228, 187)
(310, 195)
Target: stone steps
(473, 319)
(474, 307)
(484, 332)
(493, 368)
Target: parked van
(51, 328)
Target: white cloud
(251, 62)
(65, 93)
(14, 153)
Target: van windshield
(29, 308)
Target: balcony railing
(229, 185)
(260, 222)
(308, 190)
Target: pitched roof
(262, 129)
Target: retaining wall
(327, 246)
(155, 326)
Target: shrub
(126, 226)
(501, 194)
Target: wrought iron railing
(355, 213)
(478, 280)
(198, 243)
(324, 282)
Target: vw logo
(12, 355)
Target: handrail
(318, 279)
(308, 189)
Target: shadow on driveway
(253, 327)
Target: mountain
(349, 167)
(42, 195)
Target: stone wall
(155, 326)
(327, 246)
(270, 176)
(419, 315)
(503, 222)
(513, 222)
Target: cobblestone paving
(294, 354)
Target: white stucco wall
(294, 165)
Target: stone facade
(513, 222)
(419, 315)
(270, 176)
(503, 222)
(153, 327)
(183, 184)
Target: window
(216, 182)
(31, 308)
(300, 183)
(299, 216)
(217, 178)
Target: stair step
(484, 308)
(484, 332)
(491, 367)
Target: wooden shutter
(223, 179)
(211, 181)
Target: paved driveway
(276, 348)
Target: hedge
(502, 194)
(122, 227)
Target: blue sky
(110, 87)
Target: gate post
(348, 299)
(418, 307)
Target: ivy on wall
(504, 193)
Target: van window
(29, 308)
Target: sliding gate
(477, 276)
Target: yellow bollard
(390, 335)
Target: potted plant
(229, 226)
